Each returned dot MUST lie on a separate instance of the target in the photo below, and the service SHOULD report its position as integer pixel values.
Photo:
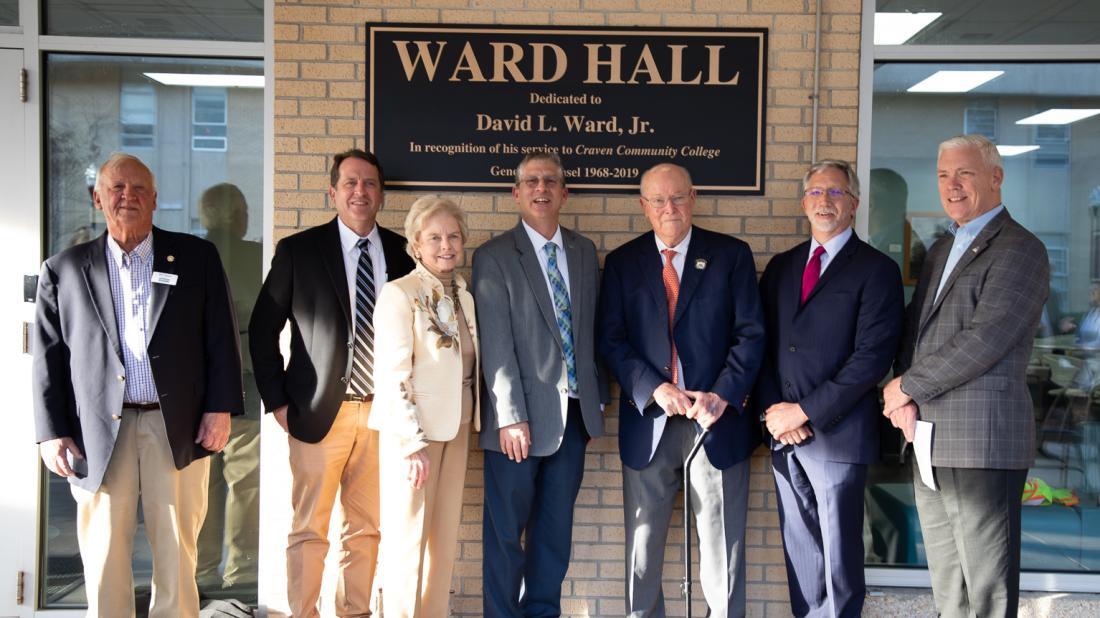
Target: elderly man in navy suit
(833, 307)
(682, 330)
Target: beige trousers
(173, 503)
(421, 527)
(345, 460)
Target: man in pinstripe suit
(964, 355)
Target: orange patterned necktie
(672, 291)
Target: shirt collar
(834, 244)
(143, 251)
(681, 248)
(349, 239)
(972, 228)
(538, 241)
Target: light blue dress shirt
(964, 237)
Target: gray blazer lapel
(99, 290)
(577, 269)
(531, 268)
(980, 243)
(164, 261)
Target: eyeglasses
(531, 182)
(661, 202)
(834, 194)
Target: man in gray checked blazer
(968, 336)
(535, 287)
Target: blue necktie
(562, 313)
(362, 360)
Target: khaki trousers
(232, 511)
(346, 460)
(173, 503)
(421, 526)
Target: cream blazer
(418, 363)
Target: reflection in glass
(993, 22)
(9, 12)
(208, 20)
(96, 105)
(1052, 187)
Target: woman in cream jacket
(426, 398)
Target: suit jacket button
(344, 380)
(793, 349)
(565, 391)
(667, 368)
(116, 417)
(121, 378)
(351, 345)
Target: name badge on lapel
(165, 278)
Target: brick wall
(320, 109)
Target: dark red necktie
(812, 273)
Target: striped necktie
(362, 361)
(562, 312)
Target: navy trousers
(531, 499)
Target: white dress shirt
(832, 247)
(349, 249)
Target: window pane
(991, 22)
(222, 20)
(1052, 187)
(96, 105)
(9, 12)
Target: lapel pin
(700, 264)
(171, 258)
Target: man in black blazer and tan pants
(137, 370)
(324, 281)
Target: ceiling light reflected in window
(954, 81)
(1012, 151)
(1059, 116)
(203, 80)
(897, 28)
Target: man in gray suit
(962, 365)
(535, 288)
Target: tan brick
(784, 115)
(634, 19)
(841, 60)
(285, 218)
(343, 53)
(772, 592)
(724, 225)
(769, 225)
(299, 126)
(299, 163)
(285, 71)
(325, 145)
(828, 116)
(791, 96)
(794, 59)
(746, 21)
(665, 6)
(328, 34)
(347, 90)
(844, 23)
(286, 107)
(743, 206)
(299, 51)
(358, 16)
(286, 32)
(337, 126)
(466, 16)
(412, 15)
(299, 88)
(577, 18)
(327, 108)
(315, 182)
(691, 20)
(839, 41)
(286, 144)
(788, 41)
(780, 6)
(494, 4)
(295, 199)
(794, 23)
(610, 5)
(722, 6)
(299, 14)
(441, 4)
(840, 78)
(328, 70)
(312, 218)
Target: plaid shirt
(131, 277)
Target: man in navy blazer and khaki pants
(682, 330)
(136, 372)
(833, 307)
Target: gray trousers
(971, 529)
(719, 499)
